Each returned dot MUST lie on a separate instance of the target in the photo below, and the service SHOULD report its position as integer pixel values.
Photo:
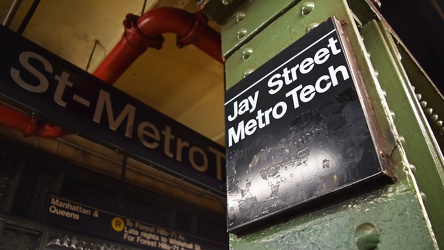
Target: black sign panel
(57, 91)
(95, 222)
(296, 130)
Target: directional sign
(296, 130)
(95, 222)
(57, 91)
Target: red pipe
(140, 34)
(29, 124)
(146, 32)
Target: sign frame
(299, 130)
(54, 90)
(70, 215)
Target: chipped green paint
(388, 217)
(421, 150)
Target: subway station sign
(296, 131)
(58, 92)
(95, 222)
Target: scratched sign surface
(296, 131)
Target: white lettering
(152, 133)
(333, 72)
(275, 82)
(283, 108)
(36, 74)
(234, 136)
(63, 82)
(129, 111)
(192, 155)
(24, 61)
(272, 83)
(248, 104)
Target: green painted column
(404, 214)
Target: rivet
(246, 53)
(241, 33)
(429, 111)
(423, 104)
(311, 26)
(438, 123)
(307, 7)
(401, 140)
(412, 168)
(392, 114)
(240, 16)
(434, 117)
(418, 96)
(226, 2)
(247, 72)
(384, 93)
(377, 2)
(367, 236)
(423, 196)
(413, 88)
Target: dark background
(420, 25)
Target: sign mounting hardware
(297, 131)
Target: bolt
(241, 33)
(227, 2)
(367, 236)
(307, 7)
(401, 140)
(392, 114)
(429, 111)
(412, 168)
(247, 72)
(423, 196)
(377, 2)
(240, 16)
(311, 26)
(246, 53)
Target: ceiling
(185, 84)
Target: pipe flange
(136, 39)
(32, 126)
(189, 38)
